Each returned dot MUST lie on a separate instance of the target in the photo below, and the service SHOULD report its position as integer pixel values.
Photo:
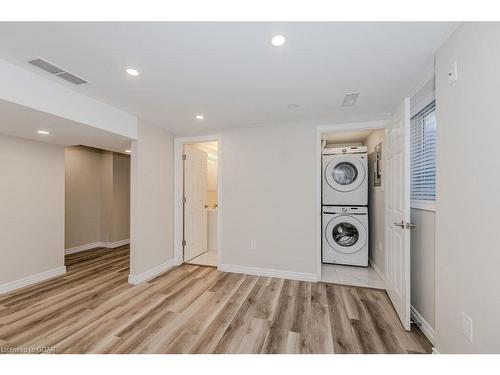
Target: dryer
(345, 235)
(345, 176)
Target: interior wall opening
(97, 200)
(200, 203)
(353, 208)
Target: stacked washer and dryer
(345, 206)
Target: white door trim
(346, 127)
(178, 178)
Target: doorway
(197, 185)
(97, 205)
(396, 181)
(353, 207)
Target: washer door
(346, 234)
(345, 174)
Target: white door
(397, 211)
(195, 194)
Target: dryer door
(345, 173)
(346, 234)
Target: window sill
(424, 205)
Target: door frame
(179, 143)
(337, 128)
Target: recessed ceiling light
(128, 151)
(350, 99)
(199, 117)
(132, 72)
(292, 106)
(278, 40)
(43, 132)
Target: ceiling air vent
(350, 99)
(72, 78)
(54, 70)
(44, 65)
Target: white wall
(269, 180)
(82, 196)
(468, 186)
(121, 198)
(31, 208)
(212, 182)
(151, 200)
(423, 264)
(105, 176)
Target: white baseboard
(378, 271)
(87, 246)
(93, 245)
(270, 272)
(425, 327)
(33, 279)
(153, 272)
(112, 245)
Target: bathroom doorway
(199, 203)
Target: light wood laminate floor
(194, 309)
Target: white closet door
(195, 194)
(397, 214)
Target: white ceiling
(229, 71)
(24, 122)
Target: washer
(345, 235)
(345, 176)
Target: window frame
(423, 204)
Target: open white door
(195, 195)
(397, 211)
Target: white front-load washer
(345, 235)
(345, 176)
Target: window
(423, 158)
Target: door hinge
(183, 243)
(183, 199)
(183, 156)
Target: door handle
(401, 224)
(407, 225)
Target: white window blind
(423, 154)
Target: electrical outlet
(467, 326)
(253, 244)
